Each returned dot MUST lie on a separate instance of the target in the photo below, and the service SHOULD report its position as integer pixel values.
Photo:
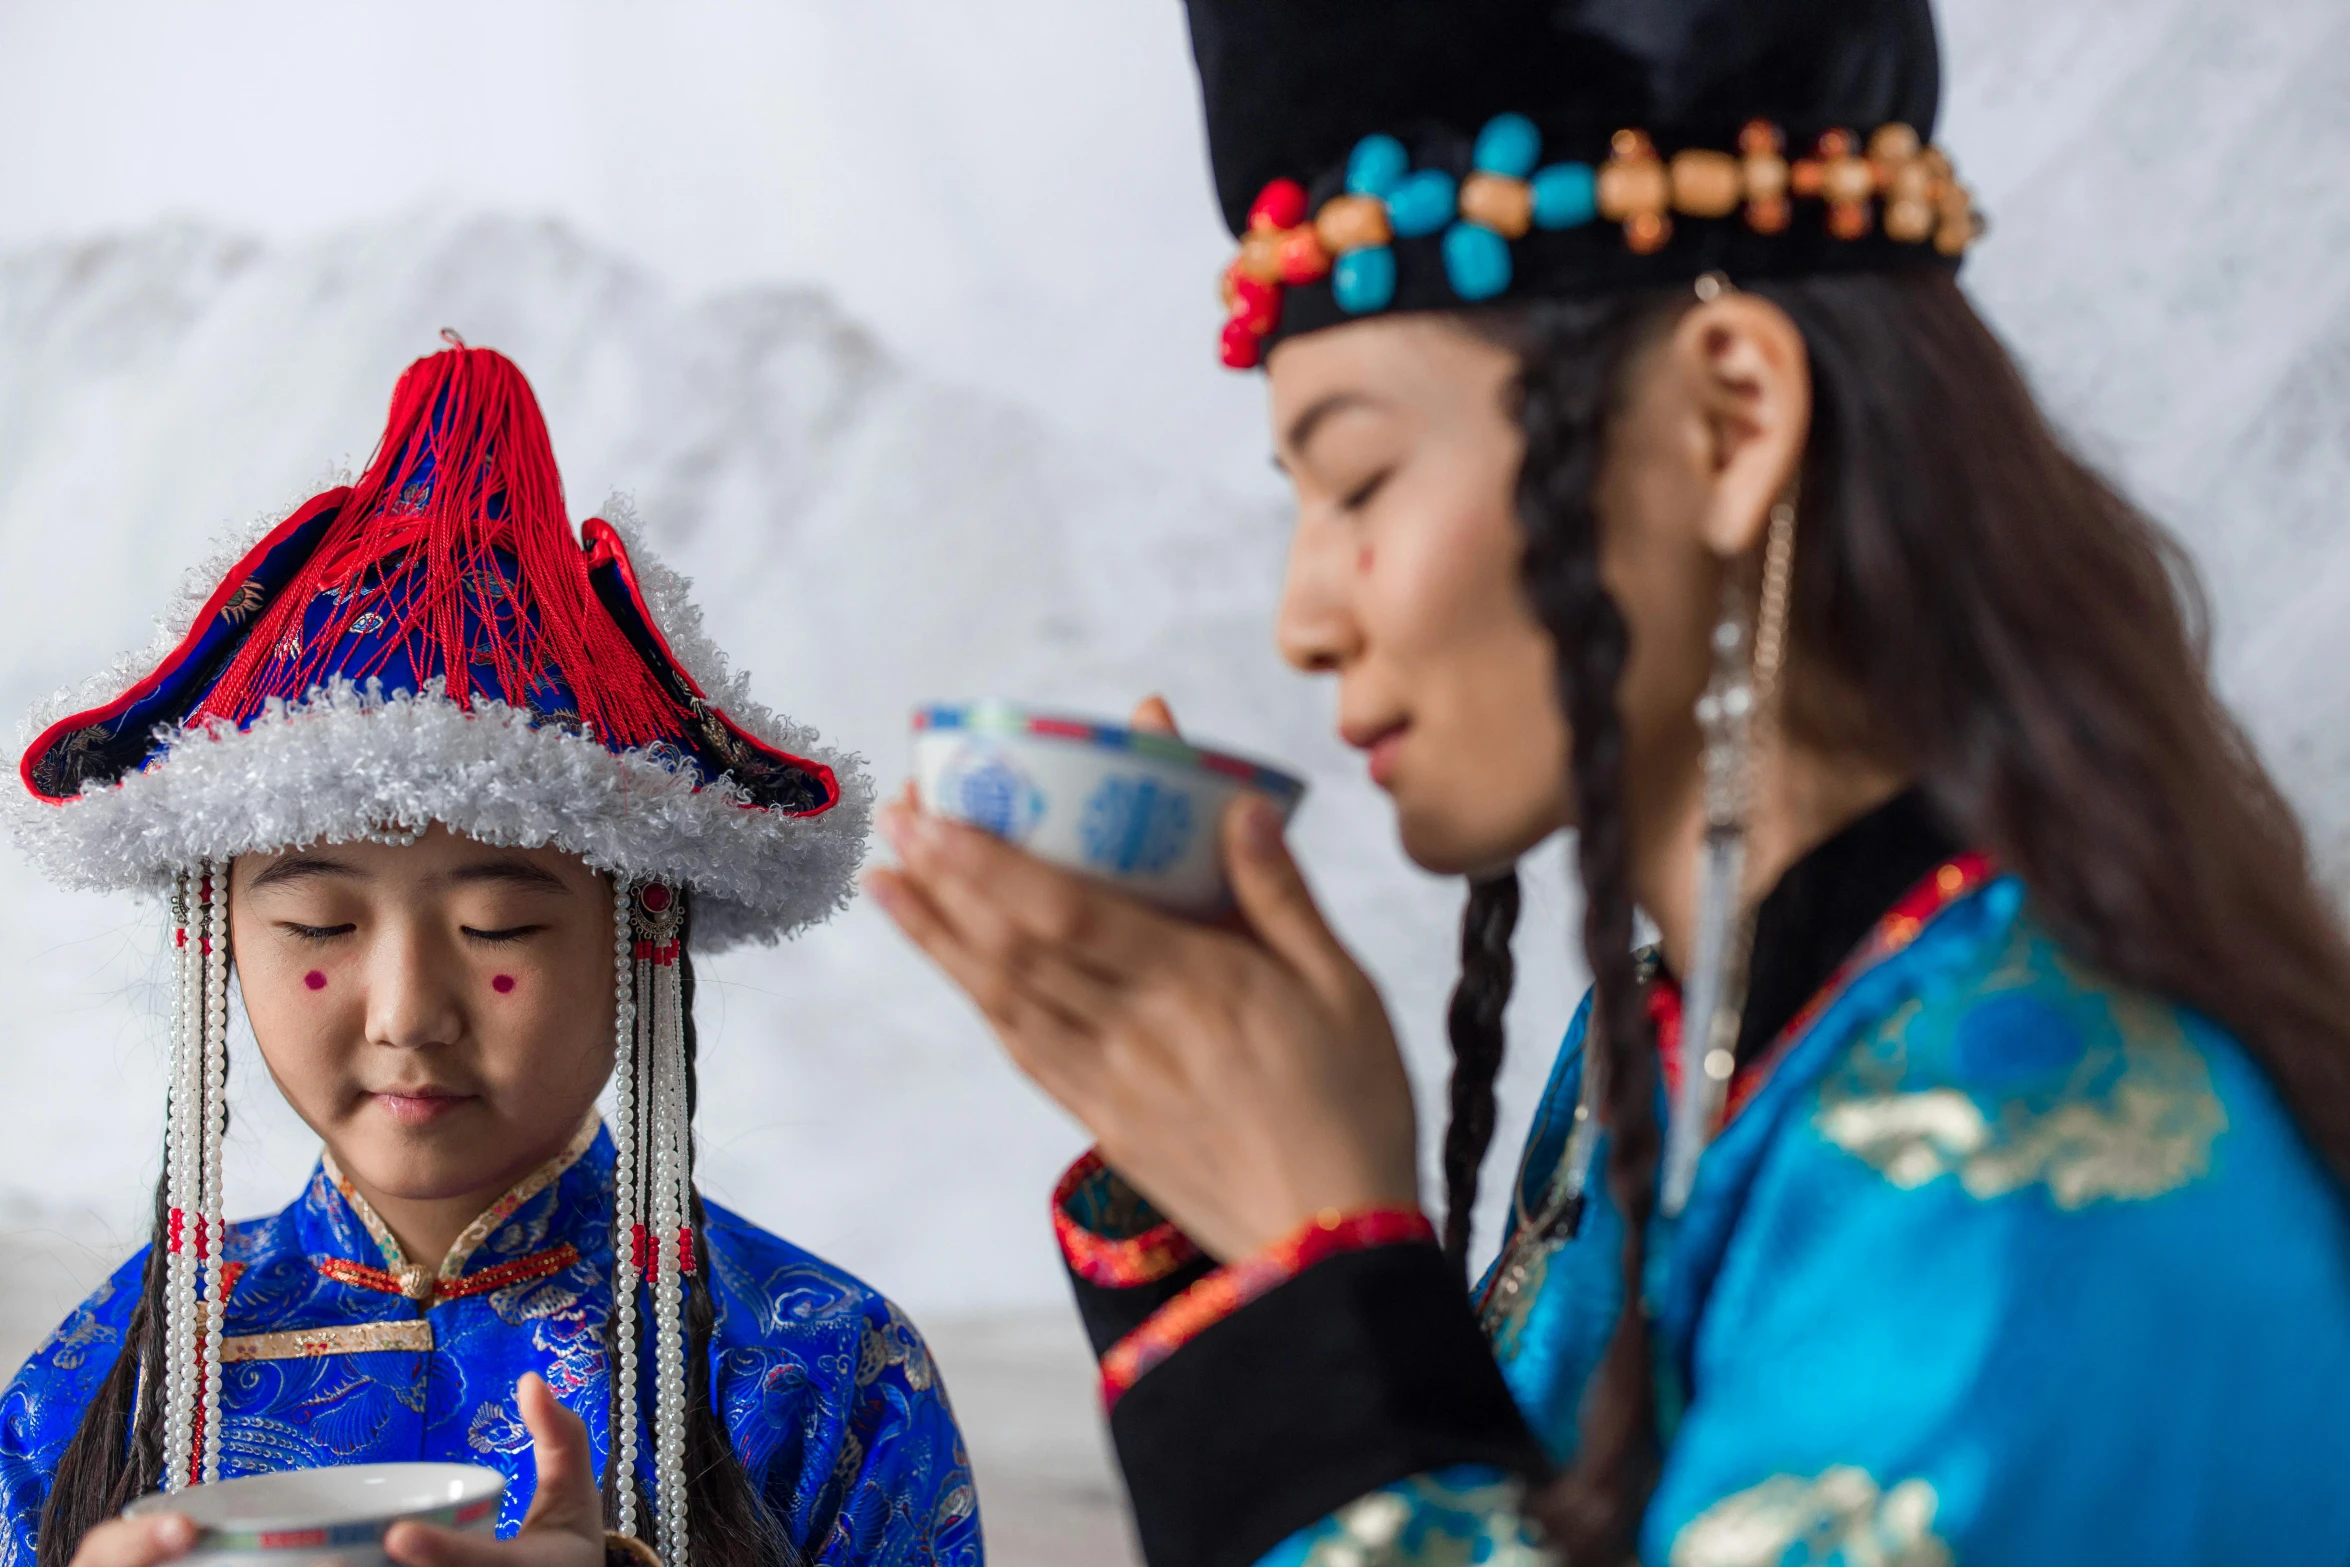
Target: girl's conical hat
(433, 644)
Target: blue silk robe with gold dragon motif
(338, 1351)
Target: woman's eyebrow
(301, 867)
(514, 873)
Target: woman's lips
(418, 1106)
(1381, 746)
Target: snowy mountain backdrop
(872, 527)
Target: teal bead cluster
(1429, 201)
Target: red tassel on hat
(415, 543)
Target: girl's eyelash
(318, 932)
(511, 933)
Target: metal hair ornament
(1510, 193)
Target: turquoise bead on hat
(1509, 145)
(1376, 166)
(1363, 281)
(1566, 195)
(1422, 203)
(1476, 261)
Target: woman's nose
(1316, 628)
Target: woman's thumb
(1272, 892)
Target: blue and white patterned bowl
(1138, 810)
(299, 1517)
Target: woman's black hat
(1590, 145)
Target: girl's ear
(1750, 377)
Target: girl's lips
(420, 1107)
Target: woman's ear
(1745, 359)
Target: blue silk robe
(828, 1391)
(2001, 1263)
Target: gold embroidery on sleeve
(1838, 1517)
(2133, 1117)
(1431, 1521)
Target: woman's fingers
(1153, 716)
(1273, 895)
(1016, 907)
(136, 1542)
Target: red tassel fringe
(468, 416)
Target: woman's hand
(1244, 1079)
(565, 1524)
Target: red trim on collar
(1234, 1285)
(521, 1270)
(1119, 1262)
(1895, 929)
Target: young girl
(1959, 1175)
(454, 794)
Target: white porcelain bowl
(301, 1517)
(1137, 810)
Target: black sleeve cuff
(1366, 1368)
(1111, 1311)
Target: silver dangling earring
(1745, 680)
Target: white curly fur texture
(345, 761)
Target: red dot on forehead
(502, 984)
(315, 980)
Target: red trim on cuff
(1234, 1285)
(1118, 1262)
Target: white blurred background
(897, 322)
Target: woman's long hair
(116, 1454)
(1974, 604)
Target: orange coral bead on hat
(1768, 214)
(1908, 219)
(1633, 188)
(1352, 223)
(1894, 143)
(1706, 184)
(1499, 203)
(1260, 255)
(1848, 219)
(1647, 232)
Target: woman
(1958, 1175)
(455, 793)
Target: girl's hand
(1244, 1079)
(146, 1541)
(565, 1524)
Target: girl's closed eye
(503, 934)
(315, 932)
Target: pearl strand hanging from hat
(1506, 196)
(196, 1123)
(652, 1208)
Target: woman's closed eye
(303, 932)
(1360, 496)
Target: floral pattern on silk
(827, 1390)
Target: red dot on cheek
(502, 984)
(315, 980)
